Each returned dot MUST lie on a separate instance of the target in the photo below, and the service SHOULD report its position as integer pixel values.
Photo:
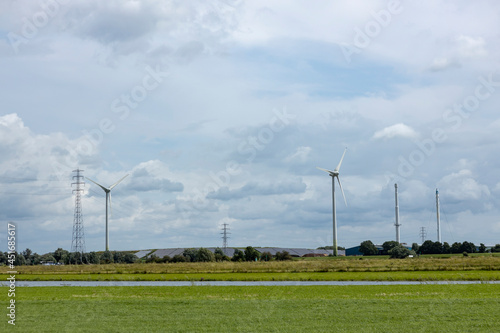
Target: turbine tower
(438, 218)
(78, 240)
(107, 190)
(397, 215)
(335, 174)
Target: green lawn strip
(416, 308)
(300, 276)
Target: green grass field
(416, 308)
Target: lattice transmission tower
(423, 234)
(225, 236)
(78, 240)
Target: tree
(468, 247)
(35, 259)
(94, 258)
(368, 248)
(400, 252)
(251, 254)
(27, 255)
(427, 247)
(190, 255)
(238, 256)
(20, 260)
(387, 246)
(179, 258)
(130, 258)
(330, 247)
(437, 248)
(59, 254)
(282, 256)
(415, 247)
(152, 259)
(455, 247)
(204, 255)
(446, 247)
(118, 257)
(266, 256)
(220, 255)
(482, 248)
(75, 258)
(495, 248)
(48, 257)
(106, 258)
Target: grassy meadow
(416, 308)
(312, 269)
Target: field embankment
(324, 269)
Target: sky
(221, 111)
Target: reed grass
(455, 263)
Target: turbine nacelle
(330, 172)
(335, 174)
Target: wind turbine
(107, 190)
(335, 174)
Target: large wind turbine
(335, 174)
(107, 190)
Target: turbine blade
(105, 189)
(340, 163)
(111, 187)
(342, 190)
(328, 171)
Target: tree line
(61, 256)
(205, 255)
(396, 250)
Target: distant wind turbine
(107, 190)
(335, 174)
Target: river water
(228, 283)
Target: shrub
(179, 258)
(400, 252)
(238, 256)
(266, 256)
(282, 256)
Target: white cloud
(471, 47)
(397, 130)
(300, 155)
(462, 186)
(439, 64)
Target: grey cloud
(143, 181)
(255, 189)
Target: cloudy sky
(221, 111)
